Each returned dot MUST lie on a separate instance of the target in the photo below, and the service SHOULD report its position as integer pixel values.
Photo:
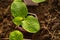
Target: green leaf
(38, 1)
(16, 35)
(17, 20)
(31, 24)
(19, 9)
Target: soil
(48, 14)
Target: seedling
(16, 35)
(20, 13)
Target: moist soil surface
(48, 14)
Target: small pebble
(30, 3)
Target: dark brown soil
(48, 14)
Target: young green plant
(16, 35)
(20, 13)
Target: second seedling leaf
(31, 24)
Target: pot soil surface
(48, 14)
